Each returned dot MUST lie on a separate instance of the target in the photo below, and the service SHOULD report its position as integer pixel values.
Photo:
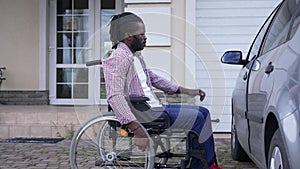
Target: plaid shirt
(122, 81)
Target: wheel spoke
(276, 159)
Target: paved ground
(224, 156)
(56, 156)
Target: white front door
(78, 35)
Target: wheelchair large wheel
(98, 144)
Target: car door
(261, 80)
(239, 96)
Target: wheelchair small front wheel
(98, 143)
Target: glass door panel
(77, 40)
(72, 49)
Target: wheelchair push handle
(94, 62)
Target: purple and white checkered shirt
(122, 81)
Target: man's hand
(192, 92)
(202, 95)
(141, 139)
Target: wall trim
(190, 43)
(43, 45)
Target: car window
(280, 26)
(254, 49)
(296, 23)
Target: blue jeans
(194, 118)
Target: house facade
(46, 43)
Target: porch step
(44, 121)
(24, 97)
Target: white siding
(224, 25)
(158, 34)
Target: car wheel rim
(276, 159)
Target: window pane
(64, 56)
(259, 38)
(81, 56)
(81, 39)
(102, 85)
(61, 22)
(63, 6)
(280, 26)
(105, 39)
(81, 23)
(295, 25)
(63, 91)
(64, 40)
(103, 91)
(108, 4)
(81, 75)
(81, 4)
(81, 91)
(64, 75)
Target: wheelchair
(103, 142)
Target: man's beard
(136, 45)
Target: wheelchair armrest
(138, 103)
(157, 109)
(137, 99)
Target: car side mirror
(233, 57)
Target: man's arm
(172, 88)
(162, 83)
(115, 73)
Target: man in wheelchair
(126, 75)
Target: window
(296, 23)
(259, 37)
(280, 26)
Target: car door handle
(269, 68)
(245, 76)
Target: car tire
(237, 151)
(277, 156)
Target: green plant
(68, 130)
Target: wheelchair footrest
(158, 166)
(169, 155)
(101, 163)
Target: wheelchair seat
(156, 120)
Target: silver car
(265, 101)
